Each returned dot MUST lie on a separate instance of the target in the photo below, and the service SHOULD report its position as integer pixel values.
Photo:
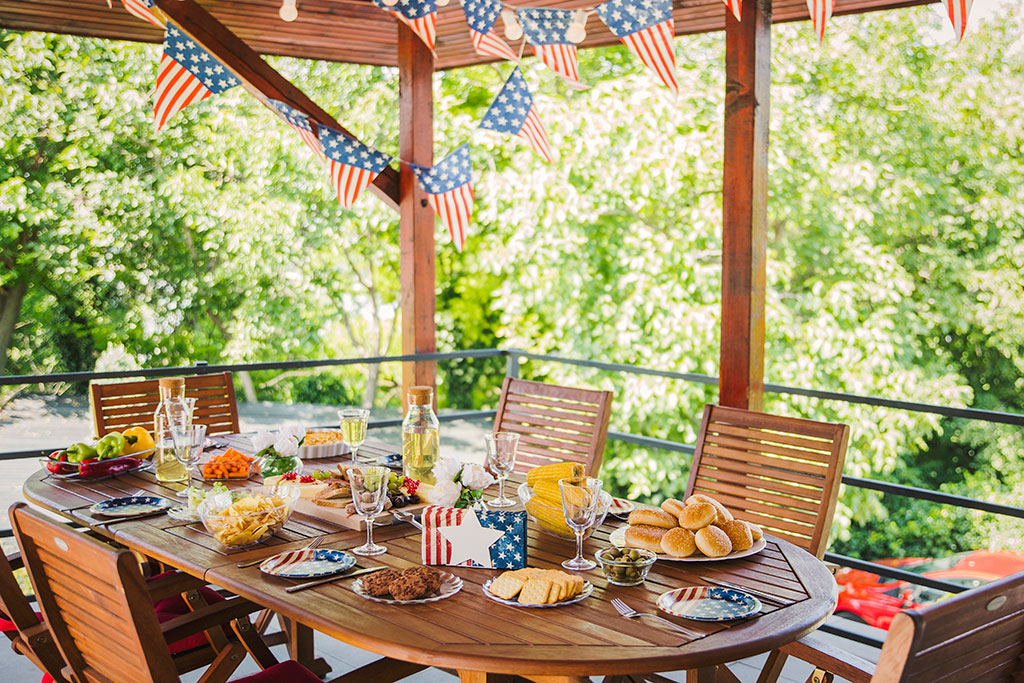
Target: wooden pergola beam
(261, 79)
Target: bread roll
(673, 507)
(755, 531)
(697, 516)
(652, 517)
(646, 537)
(678, 542)
(713, 542)
(723, 512)
(738, 533)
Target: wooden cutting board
(342, 518)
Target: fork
(630, 613)
(315, 543)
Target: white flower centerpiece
(278, 451)
(459, 485)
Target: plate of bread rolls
(699, 529)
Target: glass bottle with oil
(420, 436)
(173, 407)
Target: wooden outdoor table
(468, 632)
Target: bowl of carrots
(231, 465)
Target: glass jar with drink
(420, 436)
(174, 410)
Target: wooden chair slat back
(554, 423)
(782, 473)
(27, 638)
(95, 600)
(977, 635)
(116, 407)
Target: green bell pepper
(80, 451)
(110, 446)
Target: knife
(743, 589)
(310, 584)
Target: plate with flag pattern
(308, 563)
(130, 506)
(708, 603)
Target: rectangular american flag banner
(187, 74)
(299, 122)
(351, 164)
(546, 30)
(419, 15)
(473, 538)
(513, 112)
(143, 9)
(449, 188)
(481, 15)
(646, 28)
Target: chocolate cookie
(379, 583)
(431, 577)
(408, 587)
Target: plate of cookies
(699, 529)
(415, 585)
(537, 588)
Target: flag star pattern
(481, 16)
(449, 190)
(646, 27)
(143, 9)
(545, 29)
(507, 552)
(351, 164)
(300, 124)
(958, 11)
(513, 112)
(821, 12)
(187, 74)
(419, 15)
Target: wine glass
(353, 428)
(189, 442)
(369, 491)
(580, 498)
(501, 456)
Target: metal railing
(514, 359)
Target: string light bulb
(288, 11)
(513, 29)
(577, 31)
(390, 3)
(442, 3)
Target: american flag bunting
(646, 27)
(821, 12)
(958, 11)
(507, 552)
(513, 112)
(546, 31)
(449, 187)
(419, 15)
(187, 74)
(351, 164)
(481, 15)
(735, 6)
(143, 9)
(299, 122)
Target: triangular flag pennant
(546, 30)
(735, 7)
(187, 74)
(821, 12)
(351, 164)
(419, 15)
(300, 124)
(513, 112)
(481, 16)
(959, 10)
(449, 188)
(143, 9)
(648, 30)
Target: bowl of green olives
(625, 566)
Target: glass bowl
(262, 466)
(622, 573)
(244, 517)
(549, 518)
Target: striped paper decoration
(735, 7)
(143, 10)
(821, 12)
(958, 11)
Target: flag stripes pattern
(175, 90)
(142, 10)
(547, 31)
(455, 209)
(560, 58)
(424, 27)
(419, 15)
(351, 164)
(821, 12)
(958, 11)
(481, 15)
(735, 7)
(513, 112)
(533, 132)
(450, 192)
(435, 548)
(654, 47)
(187, 74)
(492, 45)
(299, 122)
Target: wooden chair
(103, 619)
(28, 633)
(116, 407)
(554, 423)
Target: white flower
(446, 469)
(262, 440)
(286, 445)
(294, 430)
(475, 477)
(445, 493)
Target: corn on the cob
(547, 490)
(553, 472)
(548, 517)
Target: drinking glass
(580, 498)
(189, 442)
(353, 428)
(369, 491)
(501, 456)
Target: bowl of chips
(243, 517)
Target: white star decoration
(470, 540)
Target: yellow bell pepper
(137, 439)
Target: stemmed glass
(580, 498)
(353, 428)
(189, 441)
(369, 491)
(501, 456)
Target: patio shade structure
(238, 31)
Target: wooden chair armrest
(832, 567)
(825, 654)
(207, 617)
(172, 584)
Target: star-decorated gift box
(472, 538)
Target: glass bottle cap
(421, 395)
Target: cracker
(507, 586)
(535, 592)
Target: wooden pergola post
(416, 227)
(744, 205)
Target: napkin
(474, 538)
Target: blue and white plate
(130, 506)
(308, 563)
(709, 603)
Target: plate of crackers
(537, 588)
(699, 529)
(413, 586)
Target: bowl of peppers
(113, 453)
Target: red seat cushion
(285, 672)
(175, 606)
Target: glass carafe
(420, 436)
(174, 408)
